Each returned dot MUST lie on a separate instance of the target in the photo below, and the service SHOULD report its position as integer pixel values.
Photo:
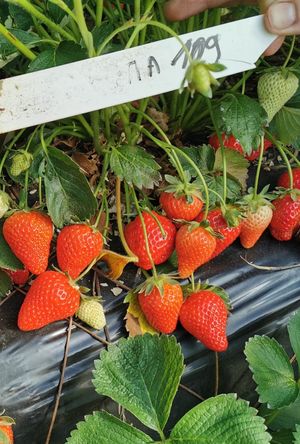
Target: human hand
(281, 17)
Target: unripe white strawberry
(91, 312)
(20, 163)
(276, 88)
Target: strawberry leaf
(221, 420)
(286, 125)
(282, 437)
(294, 334)
(142, 374)
(215, 185)
(272, 371)
(101, 427)
(5, 283)
(237, 165)
(7, 259)
(68, 194)
(243, 117)
(134, 165)
(203, 156)
(297, 435)
(285, 418)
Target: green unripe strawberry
(20, 162)
(91, 312)
(4, 203)
(274, 89)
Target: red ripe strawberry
(284, 180)
(51, 298)
(180, 207)
(161, 244)
(257, 217)
(19, 277)
(77, 246)
(204, 315)
(181, 199)
(29, 236)
(220, 225)
(6, 428)
(194, 246)
(162, 308)
(286, 216)
(229, 141)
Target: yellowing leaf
(136, 322)
(115, 262)
(237, 165)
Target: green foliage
(68, 194)
(243, 117)
(106, 429)
(28, 38)
(203, 156)
(284, 418)
(7, 259)
(272, 371)
(5, 283)
(282, 437)
(286, 124)
(219, 420)
(136, 370)
(21, 18)
(236, 165)
(134, 165)
(297, 435)
(215, 183)
(65, 52)
(294, 334)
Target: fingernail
(282, 15)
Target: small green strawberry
(20, 162)
(4, 203)
(274, 89)
(91, 312)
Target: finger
(283, 18)
(274, 47)
(181, 9)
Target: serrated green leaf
(272, 371)
(57, 13)
(103, 428)
(286, 124)
(222, 420)
(142, 374)
(215, 183)
(134, 165)
(294, 102)
(285, 418)
(294, 334)
(236, 165)
(282, 437)
(101, 33)
(5, 283)
(68, 194)
(243, 117)
(21, 18)
(203, 156)
(7, 259)
(297, 435)
(29, 39)
(44, 60)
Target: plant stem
(25, 4)
(17, 43)
(261, 153)
(85, 124)
(224, 163)
(217, 374)
(145, 233)
(85, 33)
(96, 131)
(290, 52)
(279, 146)
(119, 218)
(40, 191)
(99, 12)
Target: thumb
(282, 17)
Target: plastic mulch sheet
(30, 362)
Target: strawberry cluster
(53, 295)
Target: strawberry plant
(159, 186)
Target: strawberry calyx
(252, 201)
(281, 192)
(193, 225)
(232, 215)
(6, 421)
(155, 282)
(200, 286)
(182, 188)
